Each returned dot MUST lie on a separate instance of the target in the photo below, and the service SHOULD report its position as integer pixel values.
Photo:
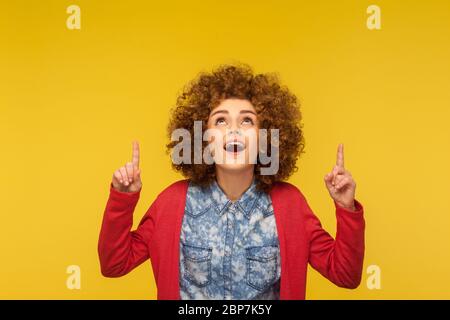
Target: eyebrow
(226, 111)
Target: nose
(233, 132)
(234, 129)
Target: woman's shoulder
(286, 190)
(174, 190)
(285, 187)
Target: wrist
(349, 206)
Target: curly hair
(275, 105)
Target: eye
(219, 121)
(247, 120)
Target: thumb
(137, 174)
(328, 180)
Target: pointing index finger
(340, 156)
(135, 155)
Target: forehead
(234, 105)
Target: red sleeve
(120, 249)
(340, 260)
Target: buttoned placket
(228, 249)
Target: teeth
(234, 146)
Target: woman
(231, 230)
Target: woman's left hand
(340, 183)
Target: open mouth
(234, 146)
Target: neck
(234, 183)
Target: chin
(234, 167)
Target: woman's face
(234, 125)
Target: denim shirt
(228, 250)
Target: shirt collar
(246, 202)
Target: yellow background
(71, 102)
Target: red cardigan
(300, 233)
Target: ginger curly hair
(276, 107)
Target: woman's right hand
(128, 177)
